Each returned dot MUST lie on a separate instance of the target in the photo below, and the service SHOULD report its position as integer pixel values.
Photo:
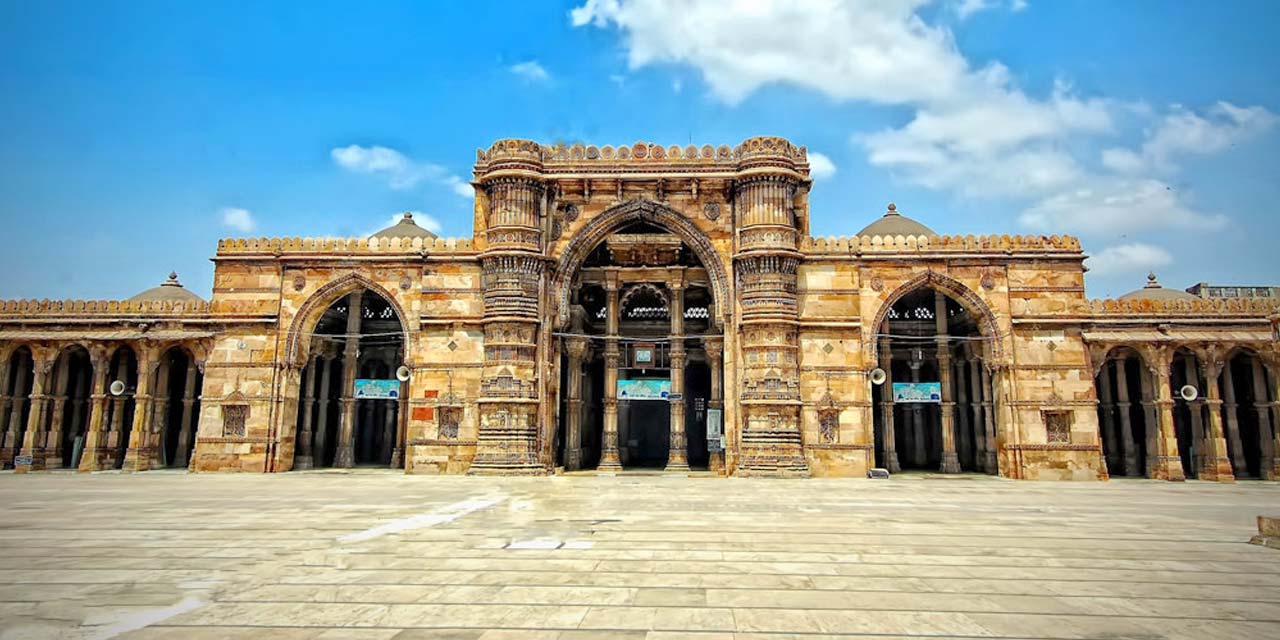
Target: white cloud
(1128, 258)
(1106, 205)
(1183, 132)
(966, 8)
(973, 131)
(820, 166)
(397, 169)
(238, 219)
(531, 70)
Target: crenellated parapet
(1260, 308)
(515, 154)
(108, 308)
(343, 246)
(986, 244)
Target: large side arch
(985, 318)
(594, 232)
(309, 314)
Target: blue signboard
(917, 392)
(644, 389)
(377, 389)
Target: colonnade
(52, 395)
(1203, 435)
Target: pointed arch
(296, 348)
(641, 210)
(970, 300)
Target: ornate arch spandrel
(610, 220)
(971, 301)
(309, 314)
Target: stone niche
(644, 249)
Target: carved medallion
(299, 281)
(877, 285)
(988, 281)
(711, 210)
(405, 283)
(570, 212)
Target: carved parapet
(770, 151)
(129, 308)
(999, 244)
(323, 246)
(1256, 307)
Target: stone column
(1274, 371)
(915, 420)
(159, 427)
(1270, 464)
(1196, 409)
(33, 439)
(576, 351)
(182, 453)
(1126, 426)
(678, 450)
(1108, 415)
(609, 460)
(1216, 464)
(318, 449)
(96, 452)
(138, 456)
(714, 348)
(991, 464)
(1166, 464)
(975, 405)
(950, 463)
(18, 400)
(51, 448)
(78, 425)
(344, 458)
(962, 409)
(890, 435)
(1150, 421)
(366, 435)
(1229, 406)
(387, 450)
(5, 396)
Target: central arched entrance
(640, 349)
(935, 409)
(351, 404)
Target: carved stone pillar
(1123, 406)
(345, 455)
(79, 423)
(950, 463)
(33, 439)
(1216, 464)
(97, 455)
(183, 450)
(302, 459)
(1196, 409)
(576, 351)
(1150, 420)
(609, 456)
(991, 462)
(714, 348)
(387, 451)
(513, 265)
(51, 448)
(915, 420)
(319, 449)
(138, 456)
(15, 426)
(159, 428)
(1267, 436)
(889, 436)
(5, 397)
(1107, 408)
(678, 450)
(1166, 464)
(1230, 409)
(1273, 370)
(965, 443)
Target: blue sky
(133, 135)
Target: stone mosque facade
(641, 306)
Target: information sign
(377, 389)
(917, 392)
(644, 389)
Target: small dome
(893, 223)
(1153, 291)
(170, 290)
(406, 228)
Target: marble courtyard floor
(377, 555)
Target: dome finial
(172, 281)
(408, 217)
(1152, 283)
(893, 210)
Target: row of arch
(58, 407)
(1225, 430)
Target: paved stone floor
(379, 556)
